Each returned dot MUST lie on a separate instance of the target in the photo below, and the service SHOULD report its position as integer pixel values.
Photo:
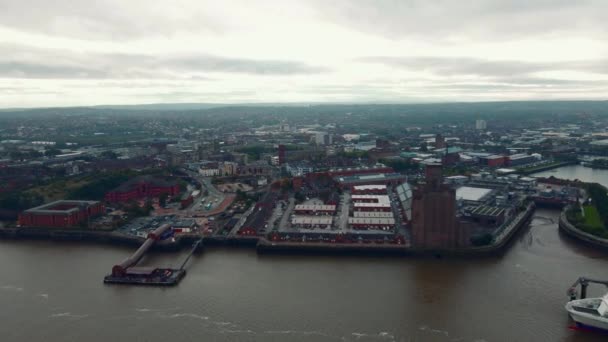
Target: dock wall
(569, 229)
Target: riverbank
(265, 246)
(570, 230)
(502, 241)
(113, 238)
(540, 168)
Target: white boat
(590, 312)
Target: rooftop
(60, 207)
(312, 220)
(487, 211)
(467, 193)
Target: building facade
(434, 222)
(61, 214)
(142, 187)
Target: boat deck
(588, 310)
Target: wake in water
(11, 288)
(68, 315)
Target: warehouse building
(61, 214)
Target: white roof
(376, 214)
(506, 170)
(467, 193)
(371, 221)
(315, 207)
(372, 205)
(370, 187)
(312, 220)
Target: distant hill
(481, 109)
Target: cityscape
(303, 171)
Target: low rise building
(61, 213)
(142, 187)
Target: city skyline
(66, 54)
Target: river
(53, 291)
(572, 172)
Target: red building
(61, 214)
(493, 160)
(142, 187)
(282, 150)
(434, 222)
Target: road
(214, 195)
(242, 221)
(284, 224)
(344, 211)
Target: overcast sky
(64, 53)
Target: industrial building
(522, 159)
(371, 179)
(61, 214)
(434, 221)
(405, 195)
(470, 195)
(493, 160)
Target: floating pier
(127, 271)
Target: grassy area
(590, 223)
(592, 217)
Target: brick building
(142, 187)
(434, 221)
(61, 214)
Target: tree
(109, 155)
(51, 152)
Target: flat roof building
(306, 221)
(61, 213)
(371, 223)
(312, 209)
(470, 194)
(369, 189)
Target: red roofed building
(142, 187)
(61, 214)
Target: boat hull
(587, 320)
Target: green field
(592, 217)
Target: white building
(481, 124)
(323, 138)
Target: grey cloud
(489, 69)
(456, 65)
(25, 62)
(238, 65)
(106, 19)
(33, 70)
(496, 19)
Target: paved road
(215, 196)
(242, 220)
(284, 224)
(344, 211)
